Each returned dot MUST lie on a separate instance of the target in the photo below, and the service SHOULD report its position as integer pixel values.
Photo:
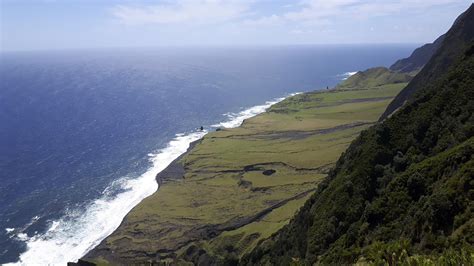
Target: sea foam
(236, 119)
(76, 233)
(72, 236)
(347, 75)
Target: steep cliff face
(404, 187)
(453, 45)
(418, 58)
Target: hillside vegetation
(374, 77)
(239, 186)
(403, 190)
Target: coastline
(174, 170)
(130, 155)
(67, 244)
(100, 216)
(190, 184)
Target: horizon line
(188, 46)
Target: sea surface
(83, 133)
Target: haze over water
(83, 133)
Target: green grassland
(242, 185)
(376, 76)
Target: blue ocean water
(75, 126)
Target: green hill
(373, 77)
(403, 191)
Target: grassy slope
(375, 77)
(213, 208)
(409, 181)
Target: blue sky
(72, 24)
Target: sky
(84, 24)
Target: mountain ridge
(408, 179)
(458, 37)
(418, 58)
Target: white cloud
(264, 21)
(335, 21)
(301, 32)
(182, 11)
(322, 12)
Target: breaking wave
(78, 231)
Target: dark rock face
(81, 263)
(175, 170)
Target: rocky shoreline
(175, 170)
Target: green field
(241, 185)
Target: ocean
(84, 132)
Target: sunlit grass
(288, 140)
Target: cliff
(402, 193)
(453, 45)
(418, 58)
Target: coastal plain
(237, 187)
